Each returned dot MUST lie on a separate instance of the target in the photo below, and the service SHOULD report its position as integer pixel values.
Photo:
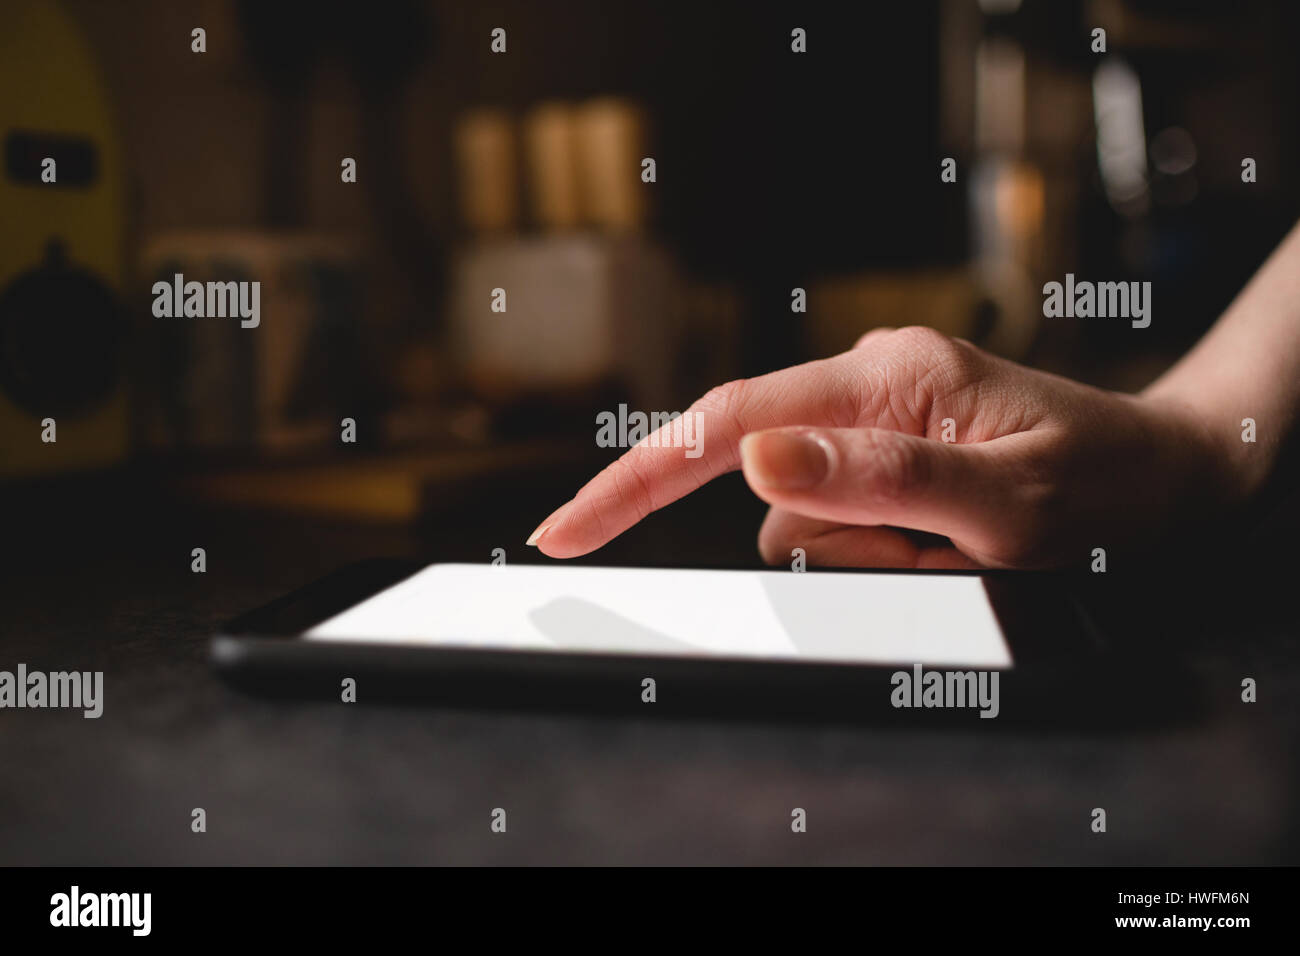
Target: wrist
(1233, 470)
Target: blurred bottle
(487, 170)
(611, 146)
(551, 146)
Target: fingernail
(785, 460)
(537, 535)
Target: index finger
(679, 457)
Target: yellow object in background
(612, 137)
(485, 147)
(550, 142)
(62, 263)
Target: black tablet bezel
(1062, 666)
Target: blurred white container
(580, 310)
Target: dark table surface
(96, 576)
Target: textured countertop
(97, 576)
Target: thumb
(872, 476)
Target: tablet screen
(822, 617)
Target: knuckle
(922, 340)
(943, 365)
(722, 396)
(722, 400)
(879, 333)
(963, 365)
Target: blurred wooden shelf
(376, 487)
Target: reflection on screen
(859, 618)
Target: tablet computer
(908, 646)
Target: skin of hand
(849, 452)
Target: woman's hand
(912, 430)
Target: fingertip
(544, 535)
(567, 533)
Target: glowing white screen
(858, 618)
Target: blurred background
(522, 170)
